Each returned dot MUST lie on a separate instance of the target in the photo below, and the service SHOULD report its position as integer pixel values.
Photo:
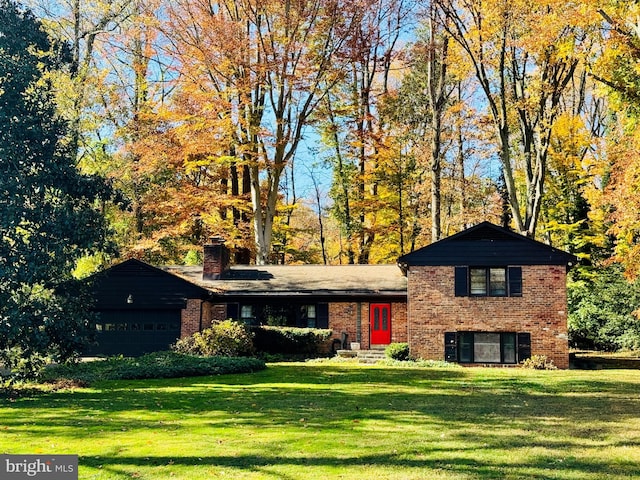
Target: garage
(138, 309)
(136, 332)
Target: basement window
(487, 347)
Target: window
(248, 314)
(487, 347)
(488, 281)
(279, 315)
(308, 316)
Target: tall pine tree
(48, 215)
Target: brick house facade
(487, 296)
(483, 296)
(540, 312)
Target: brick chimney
(216, 259)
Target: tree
(83, 25)
(47, 215)
(603, 312)
(524, 55)
(114, 76)
(265, 65)
(438, 92)
(617, 70)
(353, 128)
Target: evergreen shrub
(398, 351)
(291, 340)
(153, 365)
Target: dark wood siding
(487, 245)
(135, 332)
(139, 308)
(136, 285)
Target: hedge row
(231, 338)
(291, 340)
(153, 365)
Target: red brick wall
(216, 259)
(218, 312)
(433, 309)
(343, 318)
(208, 312)
(191, 317)
(399, 322)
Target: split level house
(485, 296)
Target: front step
(370, 356)
(363, 356)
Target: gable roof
(333, 281)
(487, 245)
(150, 287)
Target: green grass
(305, 421)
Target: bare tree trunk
(437, 96)
(316, 188)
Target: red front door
(380, 319)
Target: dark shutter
(462, 282)
(232, 311)
(515, 281)
(524, 346)
(322, 315)
(451, 347)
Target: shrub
(419, 363)
(291, 340)
(603, 312)
(153, 365)
(226, 339)
(539, 362)
(398, 351)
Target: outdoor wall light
(130, 299)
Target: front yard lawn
(306, 421)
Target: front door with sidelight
(380, 323)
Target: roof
(487, 245)
(301, 280)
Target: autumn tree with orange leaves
(251, 73)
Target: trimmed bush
(398, 351)
(291, 340)
(225, 339)
(153, 365)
